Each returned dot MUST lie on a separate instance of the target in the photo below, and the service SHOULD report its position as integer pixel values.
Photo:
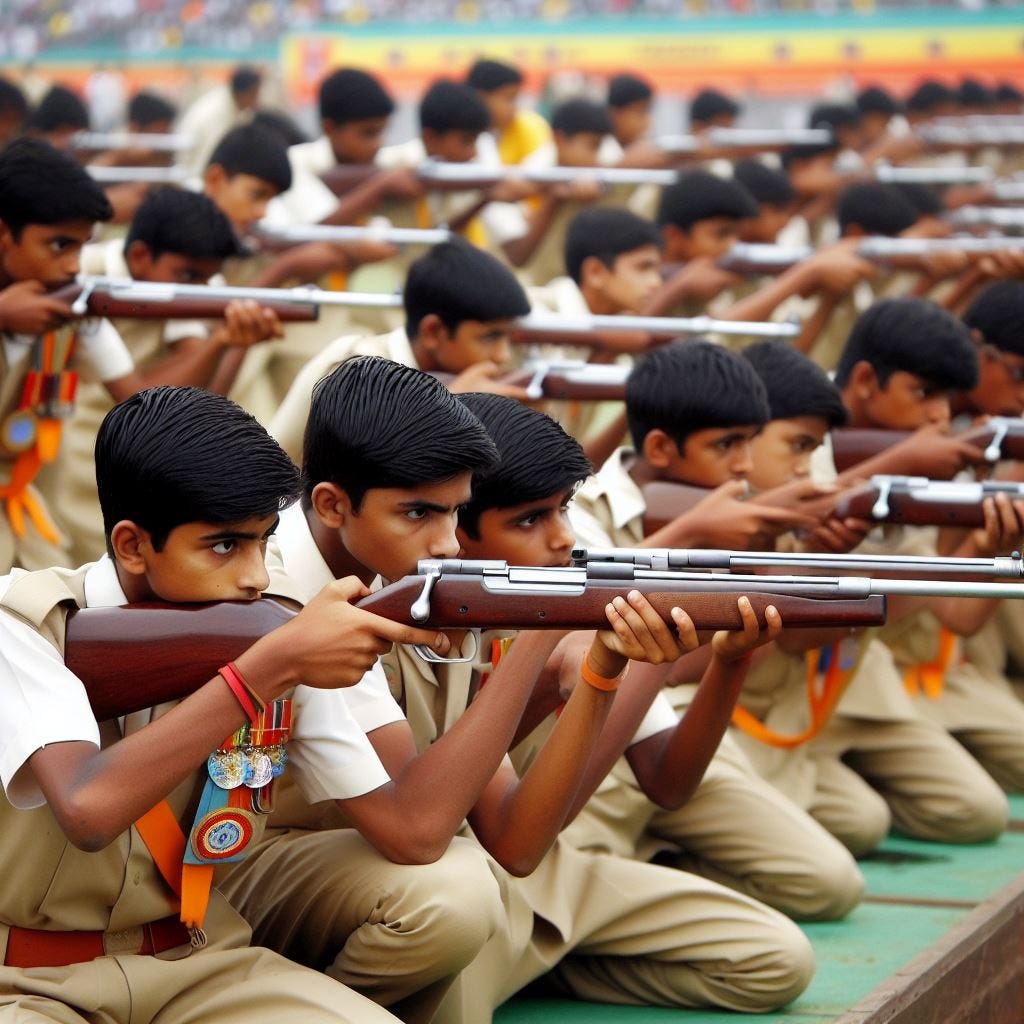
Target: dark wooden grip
(102, 304)
(905, 510)
(143, 655)
(851, 446)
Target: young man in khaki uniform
(693, 410)
(91, 923)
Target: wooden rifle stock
(920, 502)
(121, 303)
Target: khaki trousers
(933, 787)
(225, 982)
(396, 933)
(633, 933)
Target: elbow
(668, 798)
(520, 863)
(85, 829)
(414, 847)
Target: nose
(742, 462)
(444, 543)
(501, 351)
(562, 537)
(254, 575)
(939, 410)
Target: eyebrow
(242, 534)
(430, 506)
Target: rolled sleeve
(102, 351)
(43, 703)
(371, 702)
(660, 716)
(329, 751)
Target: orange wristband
(603, 683)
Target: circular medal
(278, 759)
(222, 834)
(227, 768)
(18, 432)
(261, 769)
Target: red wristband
(242, 693)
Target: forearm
(812, 327)
(761, 304)
(358, 202)
(521, 250)
(191, 363)
(670, 766)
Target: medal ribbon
(929, 678)
(827, 679)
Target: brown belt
(32, 947)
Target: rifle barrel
(300, 234)
(146, 175)
(552, 323)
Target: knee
(785, 974)
(870, 823)
(981, 818)
(839, 887)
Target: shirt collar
(303, 562)
(613, 483)
(102, 587)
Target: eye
(416, 514)
(531, 520)
(224, 547)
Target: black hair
(878, 208)
(764, 183)
(449, 106)
(250, 149)
(709, 104)
(349, 94)
(59, 108)
(605, 233)
(280, 125)
(701, 195)
(169, 456)
(807, 151)
(998, 313)
(491, 75)
(574, 117)
(929, 95)
(147, 108)
(537, 458)
(689, 386)
(12, 99)
(39, 185)
(376, 423)
(914, 336)
(457, 281)
(925, 200)
(876, 100)
(245, 78)
(833, 116)
(1007, 92)
(624, 90)
(796, 386)
(973, 94)
(184, 223)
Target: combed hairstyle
(998, 313)
(350, 94)
(245, 78)
(491, 75)
(12, 99)
(169, 456)
(833, 116)
(449, 106)
(709, 104)
(764, 183)
(877, 208)
(605, 233)
(59, 108)
(457, 282)
(625, 89)
(973, 94)
(281, 126)
(795, 385)
(914, 336)
(146, 108)
(876, 100)
(39, 185)
(701, 195)
(574, 117)
(250, 149)
(375, 423)
(184, 223)
(689, 386)
(537, 458)
(925, 200)
(929, 95)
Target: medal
(18, 432)
(278, 759)
(227, 768)
(222, 834)
(261, 769)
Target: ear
(214, 177)
(139, 258)
(977, 337)
(594, 273)
(331, 504)
(864, 380)
(659, 449)
(127, 540)
(854, 231)
(432, 333)
(677, 242)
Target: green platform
(915, 893)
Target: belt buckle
(126, 940)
